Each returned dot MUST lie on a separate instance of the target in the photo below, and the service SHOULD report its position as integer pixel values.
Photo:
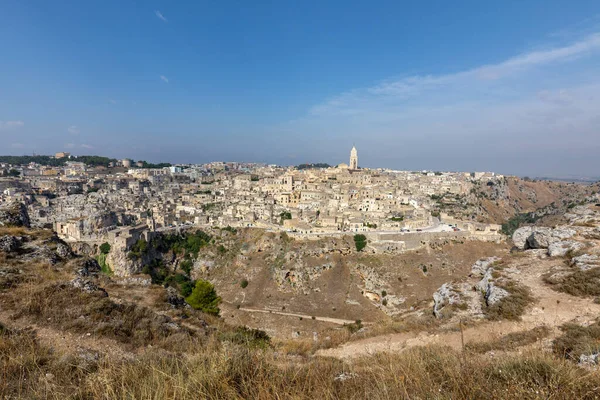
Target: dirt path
(323, 319)
(551, 308)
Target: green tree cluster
(360, 241)
(204, 298)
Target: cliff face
(14, 214)
(498, 200)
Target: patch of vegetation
(510, 341)
(157, 270)
(138, 249)
(181, 282)
(105, 248)
(510, 226)
(229, 229)
(397, 219)
(360, 241)
(577, 340)
(251, 338)
(104, 267)
(354, 327)
(285, 215)
(186, 266)
(244, 283)
(204, 298)
(188, 244)
(512, 306)
(313, 166)
(579, 283)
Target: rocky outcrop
(481, 266)
(87, 286)
(174, 299)
(9, 244)
(14, 214)
(443, 297)
(529, 237)
(89, 267)
(586, 261)
(560, 249)
(63, 250)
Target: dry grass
(579, 283)
(219, 371)
(510, 341)
(577, 340)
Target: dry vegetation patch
(512, 306)
(510, 341)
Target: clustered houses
(95, 204)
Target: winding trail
(337, 321)
(551, 309)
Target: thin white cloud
(17, 145)
(164, 79)
(73, 130)
(6, 125)
(353, 101)
(87, 146)
(160, 16)
(536, 107)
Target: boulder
(530, 237)
(494, 294)
(520, 237)
(560, 249)
(540, 238)
(589, 360)
(9, 244)
(14, 214)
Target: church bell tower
(353, 158)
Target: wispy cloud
(160, 16)
(6, 125)
(164, 79)
(17, 145)
(87, 146)
(69, 145)
(73, 130)
(544, 102)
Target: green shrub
(204, 298)
(244, 283)
(360, 241)
(104, 248)
(186, 266)
(253, 338)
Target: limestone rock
(586, 261)
(481, 266)
(8, 244)
(494, 294)
(63, 250)
(590, 360)
(89, 267)
(443, 297)
(560, 249)
(14, 214)
(88, 286)
(520, 237)
(174, 299)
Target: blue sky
(509, 86)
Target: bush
(253, 338)
(204, 298)
(577, 340)
(579, 283)
(186, 266)
(360, 241)
(512, 306)
(104, 248)
(244, 283)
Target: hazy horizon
(510, 88)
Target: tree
(360, 241)
(204, 298)
(104, 248)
